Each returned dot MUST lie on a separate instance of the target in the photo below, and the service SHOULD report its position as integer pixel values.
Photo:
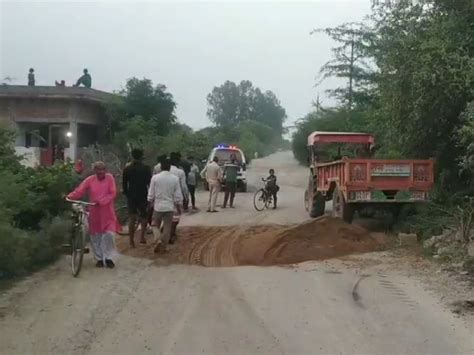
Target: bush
(26, 251)
(29, 237)
(35, 194)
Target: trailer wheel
(306, 200)
(341, 209)
(318, 205)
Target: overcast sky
(188, 46)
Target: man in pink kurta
(103, 224)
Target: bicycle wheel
(260, 200)
(78, 245)
(269, 200)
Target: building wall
(31, 156)
(50, 110)
(35, 115)
(40, 110)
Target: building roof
(340, 137)
(56, 92)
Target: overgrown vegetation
(409, 71)
(29, 235)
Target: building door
(57, 142)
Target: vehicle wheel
(340, 209)
(318, 205)
(77, 254)
(306, 201)
(260, 200)
(366, 213)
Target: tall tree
(349, 62)
(231, 104)
(268, 110)
(140, 98)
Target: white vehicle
(224, 152)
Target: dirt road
(356, 306)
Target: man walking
(101, 190)
(185, 165)
(230, 180)
(164, 195)
(213, 175)
(179, 173)
(192, 181)
(177, 170)
(135, 180)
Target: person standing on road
(178, 171)
(164, 196)
(192, 181)
(180, 174)
(185, 165)
(103, 224)
(230, 181)
(213, 175)
(135, 181)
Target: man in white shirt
(213, 177)
(164, 195)
(179, 173)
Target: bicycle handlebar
(81, 202)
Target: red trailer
(342, 170)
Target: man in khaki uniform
(213, 175)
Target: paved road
(314, 308)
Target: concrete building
(53, 122)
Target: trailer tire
(306, 200)
(318, 205)
(341, 209)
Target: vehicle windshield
(224, 155)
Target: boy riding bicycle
(272, 187)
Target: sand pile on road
(317, 239)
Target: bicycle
(262, 198)
(79, 234)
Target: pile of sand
(317, 239)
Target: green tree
(466, 143)
(268, 110)
(224, 105)
(141, 98)
(331, 120)
(349, 62)
(231, 104)
(425, 60)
